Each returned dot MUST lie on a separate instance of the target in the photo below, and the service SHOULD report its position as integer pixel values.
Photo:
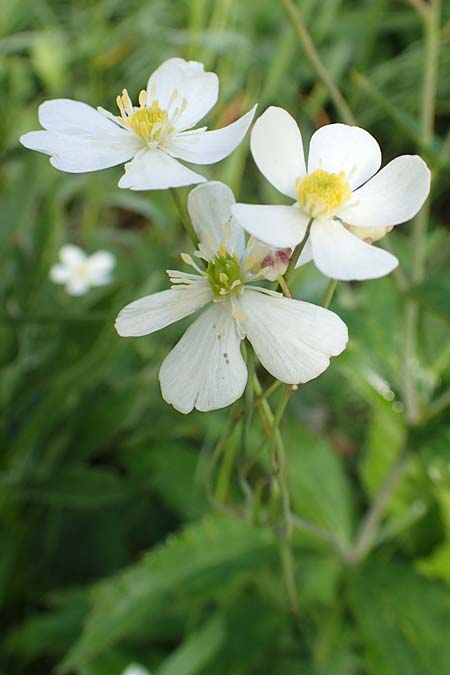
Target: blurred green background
(110, 551)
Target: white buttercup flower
(153, 135)
(79, 272)
(293, 340)
(339, 190)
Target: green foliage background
(110, 552)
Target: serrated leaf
(319, 486)
(196, 651)
(400, 617)
(206, 554)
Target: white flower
(154, 135)
(339, 190)
(293, 340)
(78, 272)
(135, 669)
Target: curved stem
(184, 216)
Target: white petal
(80, 139)
(74, 117)
(205, 369)
(391, 197)
(100, 266)
(341, 255)
(209, 206)
(277, 149)
(155, 170)
(293, 340)
(135, 669)
(279, 226)
(59, 274)
(208, 147)
(339, 147)
(188, 79)
(77, 286)
(156, 311)
(71, 255)
(306, 255)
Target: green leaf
(196, 651)
(80, 487)
(318, 484)
(205, 555)
(435, 297)
(384, 441)
(400, 617)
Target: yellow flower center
(224, 273)
(322, 193)
(149, 122)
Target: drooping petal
(155, 170)
(277, 149)
(294, 340)
(278, 226)
(101, 265)
(79, 138)
(391, 197)
(208, 147)
(156, 311)
(184, 85)
(341, 255)
(71, 255)
(209, 206)
(340, 147)
(205, 369)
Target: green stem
(316, 62)
(297, 252)
(184, 216)
(431, 19)
(369, 527)
(329, 293)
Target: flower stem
(297, 252)
(184, 216)
(329, 293)
(313, 55)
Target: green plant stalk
(184, 216)
(369, 526)
(431, 19)
(329, 293)
(311, 52)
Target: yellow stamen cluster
(148, 122)
(322, 193)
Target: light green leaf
(205, 555)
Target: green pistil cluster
(224, 274)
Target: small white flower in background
(154, 135)
(79, 272)
(135, 669)
(340, 190)
(293, 340)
